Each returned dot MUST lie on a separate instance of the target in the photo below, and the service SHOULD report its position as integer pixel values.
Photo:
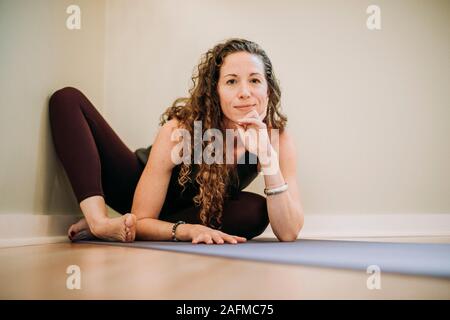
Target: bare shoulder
(166, 131)
(170, 125)
(160, 155)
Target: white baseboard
(20, 242)
(31, 229)
(373, 225)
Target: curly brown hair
(203, 105)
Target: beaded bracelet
(276, 190)
(174, 228)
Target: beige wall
(39, 55)
(369, 109)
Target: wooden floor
(107, 272)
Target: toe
(130, 220)
(131, 226)
(70, 232)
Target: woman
(198, 201)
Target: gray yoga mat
(427, 259)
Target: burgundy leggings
(97, 162)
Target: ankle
(95, 211)
(97, 222)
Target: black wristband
(174, 229)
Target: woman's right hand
(202, 234)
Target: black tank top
(177, 199)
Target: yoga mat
(427, 259)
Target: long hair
(203, 104)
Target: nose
(244, 92)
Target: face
(242, 86)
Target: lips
(245, 106)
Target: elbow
(287, 238)
(291, 236)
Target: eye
(256, 80)
(231, 81)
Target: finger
(206, 238)
(217, 238)
(237, 239)
(197, 239)
(254, 121)
(241, 127)
(259, 116)
(209, 239)
(252, 114)
(246, 119)
(240, 239)
(228, 238)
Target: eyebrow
(235, 75)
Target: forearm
(286, 218)
(285, 214)
(158, 230)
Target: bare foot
(122, 229)
(76, 228)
